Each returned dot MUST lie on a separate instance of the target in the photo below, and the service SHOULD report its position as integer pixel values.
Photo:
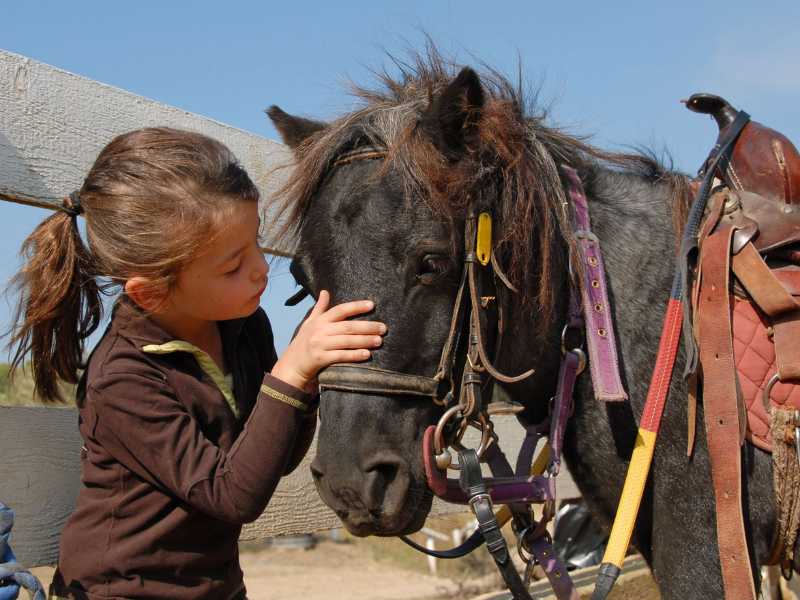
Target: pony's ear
(451, 119)
(293, 130)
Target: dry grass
(17, 389)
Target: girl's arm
(138, 420)
(305, 436)
(325, 338)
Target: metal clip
(475, 365)
(528, 577)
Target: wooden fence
(52, 126)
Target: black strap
(471, 481)
(471, 543)
(500, 467)
(701, 198)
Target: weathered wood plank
(40, 473)
(54, 123)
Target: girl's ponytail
(152, 200)
(59, 301)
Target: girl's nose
(262, 267)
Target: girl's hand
(326, 338)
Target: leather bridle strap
(369, 380)
(472, 483)
(365, 379)
(599, 327)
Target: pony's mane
(513, 169)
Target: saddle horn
(716, 106)
(763, 161)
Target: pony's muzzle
(369, 498)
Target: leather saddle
(762, 161)
(745, 314)
(760, 201)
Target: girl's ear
(140, 290)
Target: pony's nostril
(387, 472)
(316, 470)
(383, 480)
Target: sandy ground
(329, 570)
(358, 571)
(334, 571)
(386, 570)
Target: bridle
(469, 315)
(465, 350)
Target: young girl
(189, 419)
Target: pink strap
(602, 345)
(503, 490)
(555, 570)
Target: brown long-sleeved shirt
(170, 472)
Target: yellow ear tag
(484, 243)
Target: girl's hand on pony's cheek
(325, 338)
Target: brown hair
(517, 157)
(153, 200)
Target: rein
(526, 484)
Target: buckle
(478, 498)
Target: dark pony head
(450, 142)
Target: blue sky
(618, 69)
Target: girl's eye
(234, 271)
(433, 264)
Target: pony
(390, 227)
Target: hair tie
(74, 208)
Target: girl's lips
(261, 291)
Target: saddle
(745, 320)
(763, 160)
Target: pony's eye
(434, 264)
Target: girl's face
(227, 280)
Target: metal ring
(487, 430)
(767, 390)
(521, 541)
(564, 338)
(520, 538)
(437, 436)
(436, 399)
(581, 360)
